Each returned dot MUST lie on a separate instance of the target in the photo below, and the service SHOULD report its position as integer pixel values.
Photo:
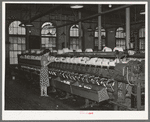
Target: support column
(127, 28)
(65, 33)
(27, 38)
(116, 95)
(80, 31)
(99, 28)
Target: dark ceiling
(112, 18)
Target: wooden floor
(24, 95)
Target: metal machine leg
(116, 94)
(138, 96)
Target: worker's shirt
(44, 60)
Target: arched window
(120, 37)
(103, 37)
(48, 36)
(74, 37)
(17, 41)
(142, 38)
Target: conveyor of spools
(116, 77)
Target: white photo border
(75, 115)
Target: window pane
(19, 40)
(23, 40)
(71, 47)
(11, 47)
(142, 32)
(23, 47)
(43, 40)
(15, 31)
(96, 34)
(11, 61)
(11, 54)
(15, 54)
(19, 46)
(49, 45)
(15, 40)
(15, 46)
(46, 40)
(54, 41)
(15, 60)
(11, 39)
(19, 52)
(19, 30)
(11, 31)
(23, 31)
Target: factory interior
(97, 54)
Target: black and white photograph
(74, 60)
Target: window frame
(120, 41)
(12, 51)
(49, 37)
(141, 38)
(76, 37)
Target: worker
(44, 75)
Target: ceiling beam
(56, 7)
(52, 9)
(96, 15)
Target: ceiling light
(26, 25)
(111, 31)
(29, 24)
(22, 25)
(76, 6)
(142, 12)
(109, 5)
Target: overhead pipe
(93, 16)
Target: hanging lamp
(22, 23)
(28, 23)
(142, 12)
(76, 6)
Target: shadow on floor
(23, 95)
